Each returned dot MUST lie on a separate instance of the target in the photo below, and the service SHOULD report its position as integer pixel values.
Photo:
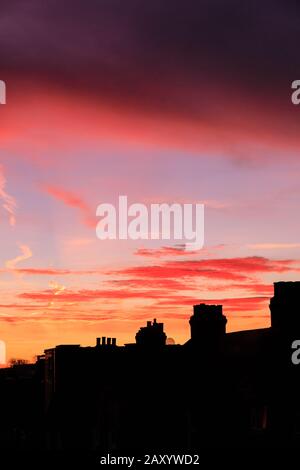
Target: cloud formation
(26, 254)
(70, 199)
(8, 202)
(198, 70)
(166, 251)
(231, 269)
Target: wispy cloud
(8, 202)
(26, 254)
(55, 272)
(56, 289)
(165, 251)
(273, 246)
(88, 295)
(71, 199)
(174, 251)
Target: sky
(174, 101)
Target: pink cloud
(70, 199)
(165, 251)
(174, 251)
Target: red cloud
(196, 101)
(256, 288)
(235, 269)
(170, 286)
(223, 268)
(168, 270)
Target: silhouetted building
(284, 307)
(152, 335)
(216, 390)
(106, 341)
(58, 363)
(208, 325)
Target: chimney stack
(103, 340)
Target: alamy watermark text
(163, 221)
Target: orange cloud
(86, 295)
